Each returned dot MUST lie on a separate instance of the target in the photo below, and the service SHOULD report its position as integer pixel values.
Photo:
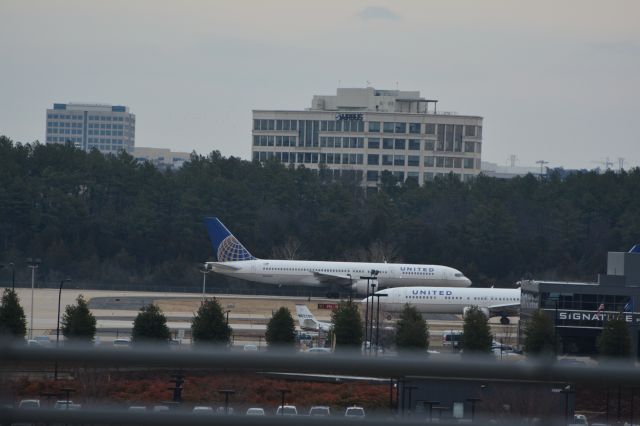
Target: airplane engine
(485, 311)
(360, 287)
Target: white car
(250, 348)
(319, 411)
(354, 412)
(137, 408)
(255, 411)
(29, 403)
(122, 342)
(288, 410)
(202, 409)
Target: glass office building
(580, 310)
(107, 128)
(361, 132)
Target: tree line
(111, 219)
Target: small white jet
(235, 260)
(442, 300)
(308, 321)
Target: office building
(107, 128)
(361, 132)
(579, 309)
(161, 157)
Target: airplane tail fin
(635, 249)
(226, 247)
(305, 318)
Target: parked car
(321, 351)
(250, 348)
(452, 338)
(66, 405)
(159, 408)
(29, 403)
(255, 411)
(319, 411)
(137, 408)
(122, 342)
(202, 409)
(287, 410)
(354, 412)
(43, 341)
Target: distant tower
(620, 163)
(542, 163)
(512, 160)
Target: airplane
(235, 261)
(442, 300)
(308, 321)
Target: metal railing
(354, 364)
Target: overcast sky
(554, 80)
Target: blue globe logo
(231, 250)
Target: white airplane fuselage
(448, 300)
(320, 273)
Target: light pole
(204, 282)
(226, 393)
(13, 276)
(283, 392)
(33, 264)
(378, 296)
(55, 374)
(372, 276)
(373, 293)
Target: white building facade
(161, 157)
(362, 132)
(108, 128)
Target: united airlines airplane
(235, 261)
(440, 300)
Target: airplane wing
(220, 266)
(333, 278)
(505, 307)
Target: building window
(374, 126)
(414, 144)
(389, 127)
(373, 159)
(372, 175)
(469, 146)
(413, 175)
(373, 143)
(387, 160)
(387, 143)
(400, 144)
(457, 162)
(398, 160)
(401, 127)
(429, 161)
(414, 128)
(430, 129)
(470, 131)
(468, 163)
(413, 160)
(439, 161)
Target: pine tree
(13, 322)
(412, 332)
(209, 326)
(476, 334)
(150, 326)
(78, 323)
(615, 342)
(347, 327)
(539, 335)
(281, 330)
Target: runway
(248, 315)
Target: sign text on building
(349, 117)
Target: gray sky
(554, 80)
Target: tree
(12, 319)
(615, 342)
(476, 334)
(412, 332)
(78, 323)
(347, 326)
(539, 335)
(150, 325)
(209, 326)
(281, 331)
